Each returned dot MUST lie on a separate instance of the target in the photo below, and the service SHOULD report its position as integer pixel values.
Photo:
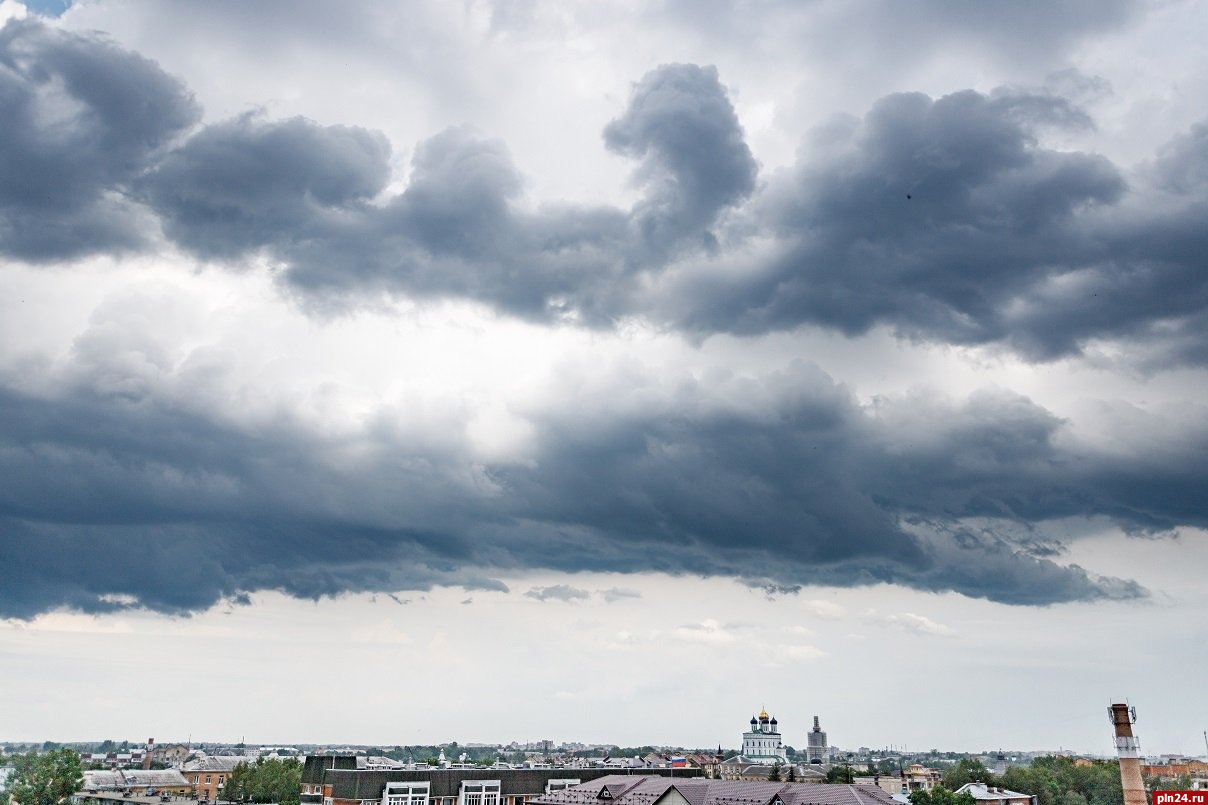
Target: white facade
(762, 744)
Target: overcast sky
(478, 371)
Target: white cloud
(707, 631)
(826, 610)
(919, 624)
(383, 631)
(798, 653)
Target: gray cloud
(771, 589)
(614, 594)
(695, 162)
(246, 184)
(942, 219)
(558, 592)
(82, 119)
(931, 216)
(900, 37)
(111, 493)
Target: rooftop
(647, 790)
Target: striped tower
(1122, 717)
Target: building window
(405, 794)
(560, 784)
(484, 792)
(207, 779)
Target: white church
(762, 743)
(763, 748)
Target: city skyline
(376, 372)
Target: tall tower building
(818, 751)
(1122, 718)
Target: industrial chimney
(1122, 718)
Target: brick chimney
(1122, 717)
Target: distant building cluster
(1171, 769)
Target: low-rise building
(170, 755)
(915, 777)
(138, 782)
(209, 774)
(113, 760)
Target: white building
(762, 743)
(762, 746)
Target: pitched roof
(167, 778)
(648, 789)
(982, 792)
(156, 777)
(217, 763)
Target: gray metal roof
(124, 778)
(982, 792)
(220, 763)
(649, 789)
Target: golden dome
(763, 714)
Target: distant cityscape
(524, 772)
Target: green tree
(774, 774)
(46, 778)
(839, 774)
(941, 795)
(792, 775)
(1061, 781)
(267, 780)
(967, 770)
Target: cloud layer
(945, 219)
(950, 220)
(127, 492)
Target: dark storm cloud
(111, 494)
(944, 220)
(455, 231)
(245, 184)
(695, 162)
(929, 215)
(82, 118)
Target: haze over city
(398, 374)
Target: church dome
(763, 715)
(754, 720)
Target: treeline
(1052, 780)
(489, 754)
(1059, 781)
(266, 780)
